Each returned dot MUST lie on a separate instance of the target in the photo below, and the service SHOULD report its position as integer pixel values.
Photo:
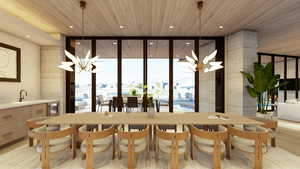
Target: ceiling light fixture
(151, 43)
(187, 43)
(82, 63)
(71, 27)
(115, 43)
(27, 36)
(171, 27)
(221, 27)
(207, 65)
(122, 27)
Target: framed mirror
(10, 63)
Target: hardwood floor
(288, 136)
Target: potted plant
(262, 83)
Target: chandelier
(207, 64)
(82, 63)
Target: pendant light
(206, 65)
(82, 63)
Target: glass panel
(279, 69)
(206, 80)
(83, 80)
(158, 72)
(291, 77)
(183, 78)
(107, 78)
(132, 67)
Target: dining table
(144, 118)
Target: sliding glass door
(132, 68)
(107, 77)
(184, 78)
(158, 72)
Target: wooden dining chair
(250, 139)
(271, 125)
(33, 123)
(96, 141)
(53, 142)
(210, 141)
(173, 143)
(132, 142)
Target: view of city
(158, 85)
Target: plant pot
(267, 115)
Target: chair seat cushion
(207, 145)
(99, 145)
(246, 145)
(56, 145)
(139, 145)
(166, 146)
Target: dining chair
(33, 123)
(53, 142)
(96, 141)
(210, 141)
(132, 142)
(100, 102)
(173, 143)
(132, 103)
(251, 140)
(118, 103)
(271, 125)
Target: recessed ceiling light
(77, 43)
(27, 36)
(171, 27)
(122, 26)
(187, 43)
(114, 43)
(151, 43)
(71, 27)
(221, 27)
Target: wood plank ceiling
(277, 21)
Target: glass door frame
(220, 76)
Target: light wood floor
(286, 156)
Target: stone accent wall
(240, 54)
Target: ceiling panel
(277, 21)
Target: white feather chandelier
(81, 63)
(207, 65)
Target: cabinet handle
(7, 117)
(7, 134)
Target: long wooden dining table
(142, 118)
(161, 118)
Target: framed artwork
(10, 63)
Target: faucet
(21, 98)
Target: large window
(184, 79)
(158, 72)
(124, 71)
(83, 80)
(107, 78)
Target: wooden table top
(163, 118)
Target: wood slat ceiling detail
(277, 21)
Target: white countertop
(24, 103)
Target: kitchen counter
(24, 103)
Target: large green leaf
(249, 77)
(252, 92)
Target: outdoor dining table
(142, 118)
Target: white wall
(30, 70)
